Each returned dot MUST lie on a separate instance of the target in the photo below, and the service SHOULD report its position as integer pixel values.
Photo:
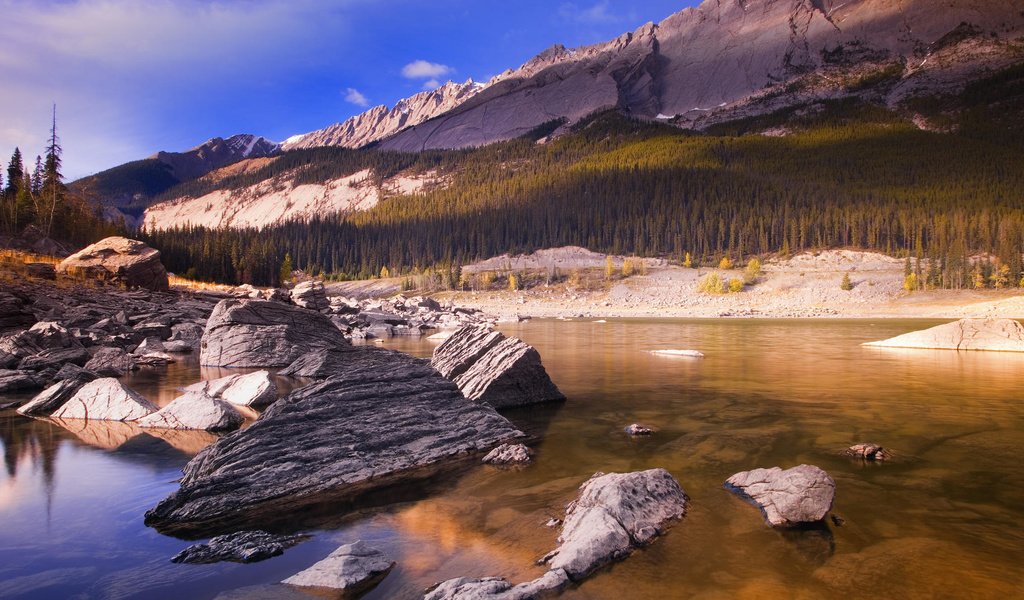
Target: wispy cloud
(421, 69)
(599, 13)
(355, 97)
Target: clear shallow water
(942, 520)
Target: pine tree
(688, 261)
(285, 273)
(37, 176)
(15, 172)
(846, 285)
(53, 186)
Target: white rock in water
(105, 400)
(688, 353)
(195, 411)
(803, 494)
(351, 567)
(254, 389)
(1005, 335)
(440, 336)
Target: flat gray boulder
(242, 547)
(310, 295)
(790, 497)
(1003, 335)
(252, 389)
(352, 567)
(365, 428)
(128, 262)
(111, 362)
(195, 410)
(55, 396)
(105, 399)
(261, 333)
(463, 348)
(498, 588)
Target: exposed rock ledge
(361, 430)
(1005, 335)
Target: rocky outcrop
(260, 333)
(490, 368)
(55, 396)
(790, 497)
(254, 389)
(195, 410)
(497, 588)
(111, 362)
(14, 315)
(509, 454)
(311, 295)
(1004, 335)
(128, 262)
(352, 567)
(365, 428)
(241, 547)
(105, 399)
(868, 451)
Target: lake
(944, 518)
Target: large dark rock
(44, 335)
(58, 357)
(790, 497)
(111, 362)
(366, 428)
(14, 315)
(242, 547)
(260, 333)
(18, 381)
(128, 262)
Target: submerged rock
(195, 410)
(498, 588)
(128, 262)
(243, 547)
(260, 333)
(509, 454)
(364, 428)
(868, 452)
(803, 494)
(638, 429)
(105, 399)
(1006, 335)
(253, 389)
(57, 395)
(352, 567)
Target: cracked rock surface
(790, 497)
(105, 399)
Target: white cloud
(421, 69)
(598, 13)
(432, 84)
(355, 97)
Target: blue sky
(131, 77)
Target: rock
(41, 270)
(497, 588)
(58, 357)
(352, 567)
(189, 333)
(111, 362)
(260, 333)
(509, 454)
(327, 363)
(803, 494)
(509, 374)
(310, 295)
(70, 371)
(105, 399)
(365, 428)
(150, 345)
(57, 395)
(242, 547)
(155, 331)
(44, 335)
(614, 514)
(682, 353)
(1006, 335)
(195, 411)
(463, 348)
(127, 262)
(178, 347)
(868, 452)
(254, 389)
(638, 429)
(8, 361)
(14, 316)
(17, 381)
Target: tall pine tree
(37, 176)
(53, 185)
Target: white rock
(194, 411)
(351, 567)
(105, 399)
(1005, 335)
(803, 494)
(254, 389)
(686, 353)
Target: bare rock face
(14, 315)
(311, 295)
(195, 410)
(352, 567)
(614, 514)
(105, 400)
(803, 494)
(509, 454)
(57, 394)
(241, 547)
(128, 262)
(364, 428)
(490, 368)
(1004, 335)
(255, 389)
(111, 362)
(260, 333)
(497, 588)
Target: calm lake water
(944, 519)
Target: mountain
(380, 121)
(127, 190)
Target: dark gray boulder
(261, 333)
(463, 348)
(14, 315)
(111, 362)
(53, 397)
(18, 381)
(57, 358)
(353, 567)
(242, 547)
(803, 494)
(44, 335)
(365, 428)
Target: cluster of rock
(493, 369)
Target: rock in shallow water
(105, 399)
(195, 410)
(363, 429)
(868, 452)
(260, 333)
(497, 588)
(244, 547)
(1006, 335)
(790, 497)
(253, 389)
(56, 395)
(352, 567)
(509, 454)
